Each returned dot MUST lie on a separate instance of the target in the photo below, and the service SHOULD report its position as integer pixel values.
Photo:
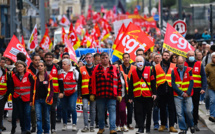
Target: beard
(166, 61)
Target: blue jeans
(59, 111)
(69, 104)
(212, 102)
(207, 99)
(184, 106)
(39, 106)
(92, 111)
(156, 116)
(202, 96)
(111, 107)
(24, 110)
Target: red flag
(13, 48)
(96, 31)
(89, 13)
(136, 11)
(119, 36)
(78, 27)
(133, 39)
(73, 38)
(105, 34)
(23, 42)
(46, 42)
(63, 35)
(71, 51)
(64, 21)
(84, 41)
(175, 42)
(94, 43)
(33, 42)
(104, 24)
(96, 17)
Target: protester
(96, 59)
(85, 74)
(55, 71)
(106, 87)
(165, 92)
(157, 59)
(121, 106)
(199, 86)
(21, 83)
(182, 84)
(42, 97)
(70, 76)
(199, 56)
(206, 35)
(210, 73)
(173, 58)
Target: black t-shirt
(42, 91)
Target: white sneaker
(125, 128)
(118, 129)
(74, 128)
(200, 102)
(203, 103)
(64, 127)
(207, 112)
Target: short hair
(40, 49)
(158, 55)
(41, 61)
(140, 49)
(180, 57)
(116, 63)
(2, 58)
(126, 54)
(138, 57)
(104, 54)
(32, 58)
(89, 54)
(212, 54)
(21, 56)
(96, 54)
(165, 52)
(49, 54)
(68, 62)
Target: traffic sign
(180, 26)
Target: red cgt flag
(13, 48)
(73, 38)
(23, 42)
(133, 39)
(175, 42)
(84, 41)
(46, 42)
(119, 36)
(64, 36)
(96, 31)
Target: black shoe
(106, 126)
(183, 132)
(58, 120)
(3, 128)
(196, 128)
(68, 120)
(140, 131)
(33, 129)
(147, 130)
(212, 119)
(13, 130)
(136, 126)
(97, 126)
(192, 130)
(28, 132)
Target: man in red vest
(54, 71)
(127, 68)
(85, 74)
(165, 92)
(200, 83)
(182, 84)
(142, 90)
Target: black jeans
(129, 112)
(143, 107)
(2, 104)
(167, 101)
(195, 99)
(53, 111)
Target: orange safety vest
(54, 74)
(85, 81)
(69, 84)
(22, 88)
(3, 84)
(130, 71)
(182, 85)
(126, 82)
(49, 90)
(197, 78)
(29, 70)
(140, 86)
(162, 77)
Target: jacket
(210, 73)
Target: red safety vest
(69, 84)
(183, 85)
(85, 81)
(22, 88)
(3, 84)
(162, 77)
(140, 86)
(54, 74)
(197, 78)
(129, 72)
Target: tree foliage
(169, 3)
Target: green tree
(169, 3)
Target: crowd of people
(158, 83)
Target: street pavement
(80, 124)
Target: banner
(33, 42)
(133, 39)
(119, 35)
(13, 48)
(46, 42)
(175, 42)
